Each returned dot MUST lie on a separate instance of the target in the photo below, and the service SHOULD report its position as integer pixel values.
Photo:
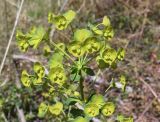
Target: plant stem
(68, 56)
(81, 86)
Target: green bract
(56, 60)
(22, 41)
(80, 119)
(61, 21)
(39, 70)
(121, 118)
(91, 110)
(108, 109)
(108, 33)
(23, 45)
(92, 44)
(120, 54)
(104, 29)
(37, 81)
(123, 82)
(106, 21)
(47, 50)
(81, 35)
(35, 36)
(98, 100)
(75, 49)
(42, 110)
(109, 55)
(25, 79)
(57, 75)
(56, 109)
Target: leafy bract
(106, 21)
(121, 118)
(57, 75)
(108, 109)
(92, 44)
(35, 36)
(22, 41)
(109, 55)
(39, 69)
(98, 99)
(42, 110)
(81, 35)
(122, 80)
(120, 54)
(25, 79)
(69, 15)
(108, 33)
(63, 20)
(37, 81)
(56, 60)
(91, 110)
(80, 119)
(75, 49)
(56, 109)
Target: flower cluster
(97, 104)
(62, 80)
(36, 79)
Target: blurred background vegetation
(137, 28)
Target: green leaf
(106, 21)
(75, 77)
(88, 71)
(36, 35)
(69, 15)
(25, 79)
(56, 109)
(42, 110)
(81, 35)
(108, 109)
(72, 101)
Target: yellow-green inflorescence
(57, 75)
(97, 104)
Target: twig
(12, 3)
(5, 81)
(11, 37)
(145, 110)
(83, 4)
(150, 88)
(23, 57)
(64, 4)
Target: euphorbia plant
(62, 79)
